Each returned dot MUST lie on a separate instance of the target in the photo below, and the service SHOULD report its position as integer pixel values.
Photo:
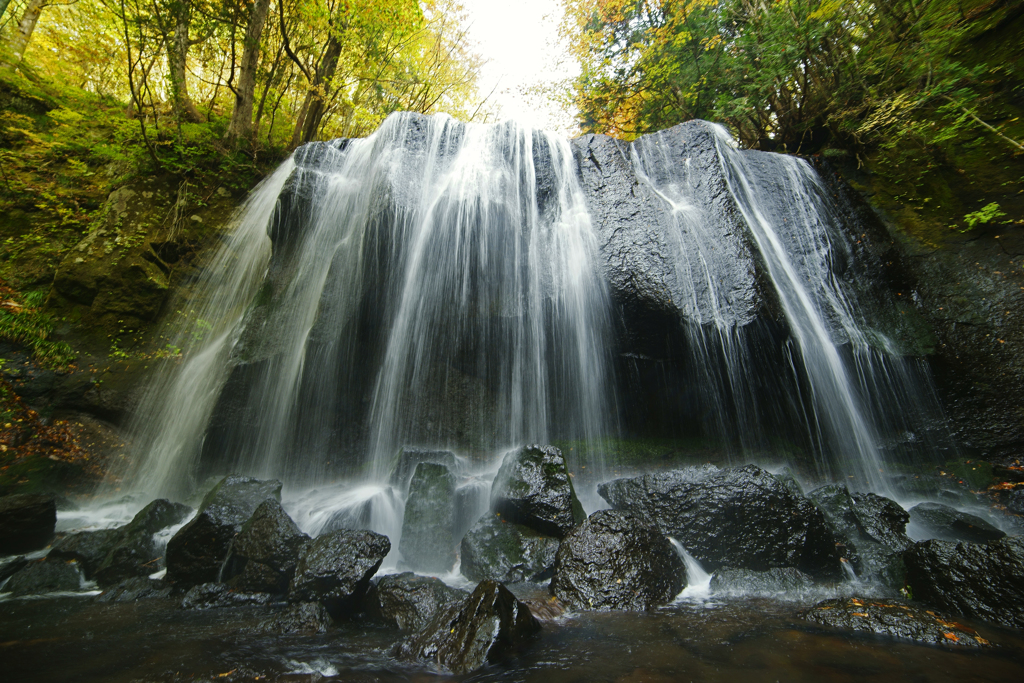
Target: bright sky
(519, 38)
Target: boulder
(336, 569)
(136, 553)
(411, 602)
(215, 595)
(850, 523)
(45, 576)
(766, 583)
(883, 519)
(617, 560)
(428, 528)
(264, 553)
(893, 619)
(507, 552)
(533, 488)
(90, 548)
(489, 625)
(134, 589)
(1015, 501)
(946, 523)
(27, 521)
(306, 618)
(409, 458)
(195, 554)
(10, 567)
(737, 517)
(984, 580)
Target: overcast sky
(519, 38)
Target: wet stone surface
(894, 619)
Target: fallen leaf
(951, 636)
(860, 614)
(226, 673)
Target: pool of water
(718, 639)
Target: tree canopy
(788, 74)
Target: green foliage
(985, 214)
(789, 74)
(29, 326)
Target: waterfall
(440, 285)
(435, 285)
(842, 378)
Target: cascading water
(435, 284)
(446, 286)
(845, 379)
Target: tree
(241, 115)
(23, 32)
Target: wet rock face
(135, 589)
(984, 580)
(638, 247)
(90, 548)
(307, 618)
(737, 517)
(409, 458)
(136, 553)
(946, 523)
(411, 602)
(265, 552)
(882, 519)
(488, 626)
(27, 522)
(533, 488)
(894, 619)
(45, 576)
(215, 595)
(766, 583)
(336, 569)
(869, 532)
(195, 554)
(506, 552)
(428, 528)
(617, 560)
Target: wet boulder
(11, 566)
(195, 554)
(410, 458)
(507, 552)
(216, 595)
(1015, 501)
(305, 618)
(946, 523)
(855, 527)
(45, 576)
(265, 552)
(134, 589)
(27, 521)
(136, 552)
(883, 519)
(984, 580)
(533, 488)
(491, 624)
(893, 619)
(336, 569)
(737, 517)
(410, 602)
(766, 583)
(90, 548)
(617, 560)
(428, 528)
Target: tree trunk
(19, 41)
(241, 117)
(177, 56)
(318, 92)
